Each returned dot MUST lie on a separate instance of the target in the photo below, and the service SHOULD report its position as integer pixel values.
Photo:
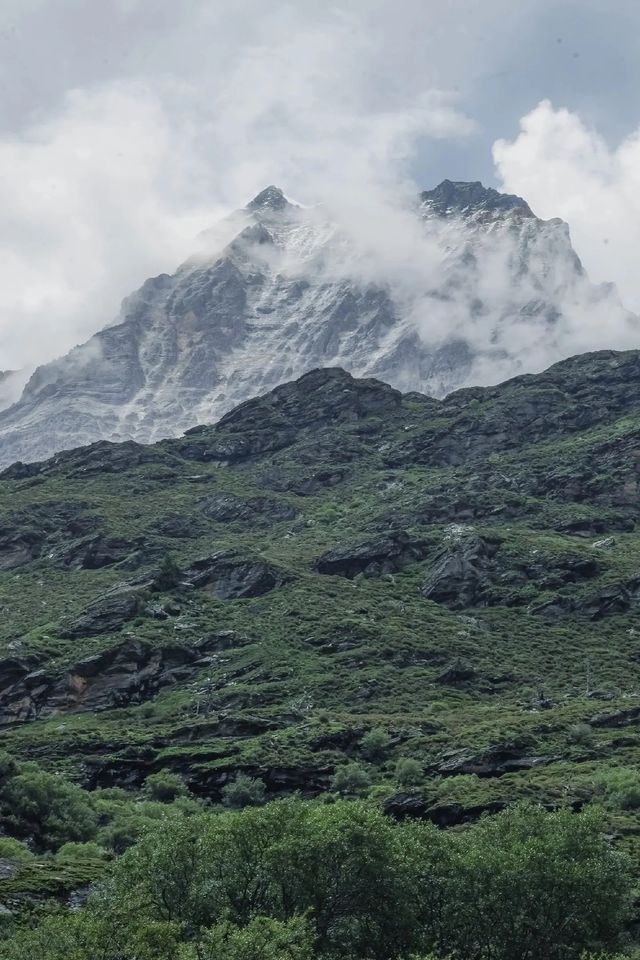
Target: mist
(119, 161)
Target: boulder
(373, 558)
(303, 484)
(402, 806)
(19, 547)
(106, 614)
(463, 573)
(604, 544)
(234, 577)
(617, 718)
(181, 526)
(97, 551)
(495, 761)
(257, 511)
(458, 672)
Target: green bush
(12, 849)
(619, 788)
(351, 779)
(244, 791)
(375, 743)
(50, 809)
(261, 939)
(409, 772)
(581, 733)
(236, 885)
(70, 852)
(165, 786)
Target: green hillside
(336, 588)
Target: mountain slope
(483, 288)
(331, 558)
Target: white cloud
(565, 168)
(331, 102)
(112, 186)
(89, 205)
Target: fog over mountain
(463, 286)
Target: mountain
(331, 557)
(336, 573)
(470, 288)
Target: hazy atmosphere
(130, 125)
(319, 480)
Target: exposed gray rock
(98, 551)
(495, 761)
(258, 511)
(234, 577)
(107, 613)
(304, 485)
(181, 527)
(126, 674)
(458, 672)
(416, 806)
(373, 558)
(463, 573)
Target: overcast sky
(126, 126)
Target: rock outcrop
(373, 558)
(124, 675)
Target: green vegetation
(304, 880)
(427, 608)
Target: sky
(127, 126)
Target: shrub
(581, 733)
(12, 849)
(352, 778)
(261, 938)
(620, 787)
(375, 744)
(49, 808)
(409, 772)
(164, 786)
(71, 851)
(244, 791)
(168, 575)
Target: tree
(165, 786)
(168, 575)
(528, 883)
(375, 744)
(352, 778)
(49, 808)
(409, 772)
(244, 791)
(262, 938)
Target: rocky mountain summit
(486, 289)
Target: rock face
(373, 558)
(232, 577)
(227, 508)
(272, 294)
(495, 761)
(462, 574)
(128, 673)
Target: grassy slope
(329, 657)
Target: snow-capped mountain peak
(276, 289)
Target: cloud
(565, 168)
(113, 185)
(90, 203)
(194, 108)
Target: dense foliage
(300, 879)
